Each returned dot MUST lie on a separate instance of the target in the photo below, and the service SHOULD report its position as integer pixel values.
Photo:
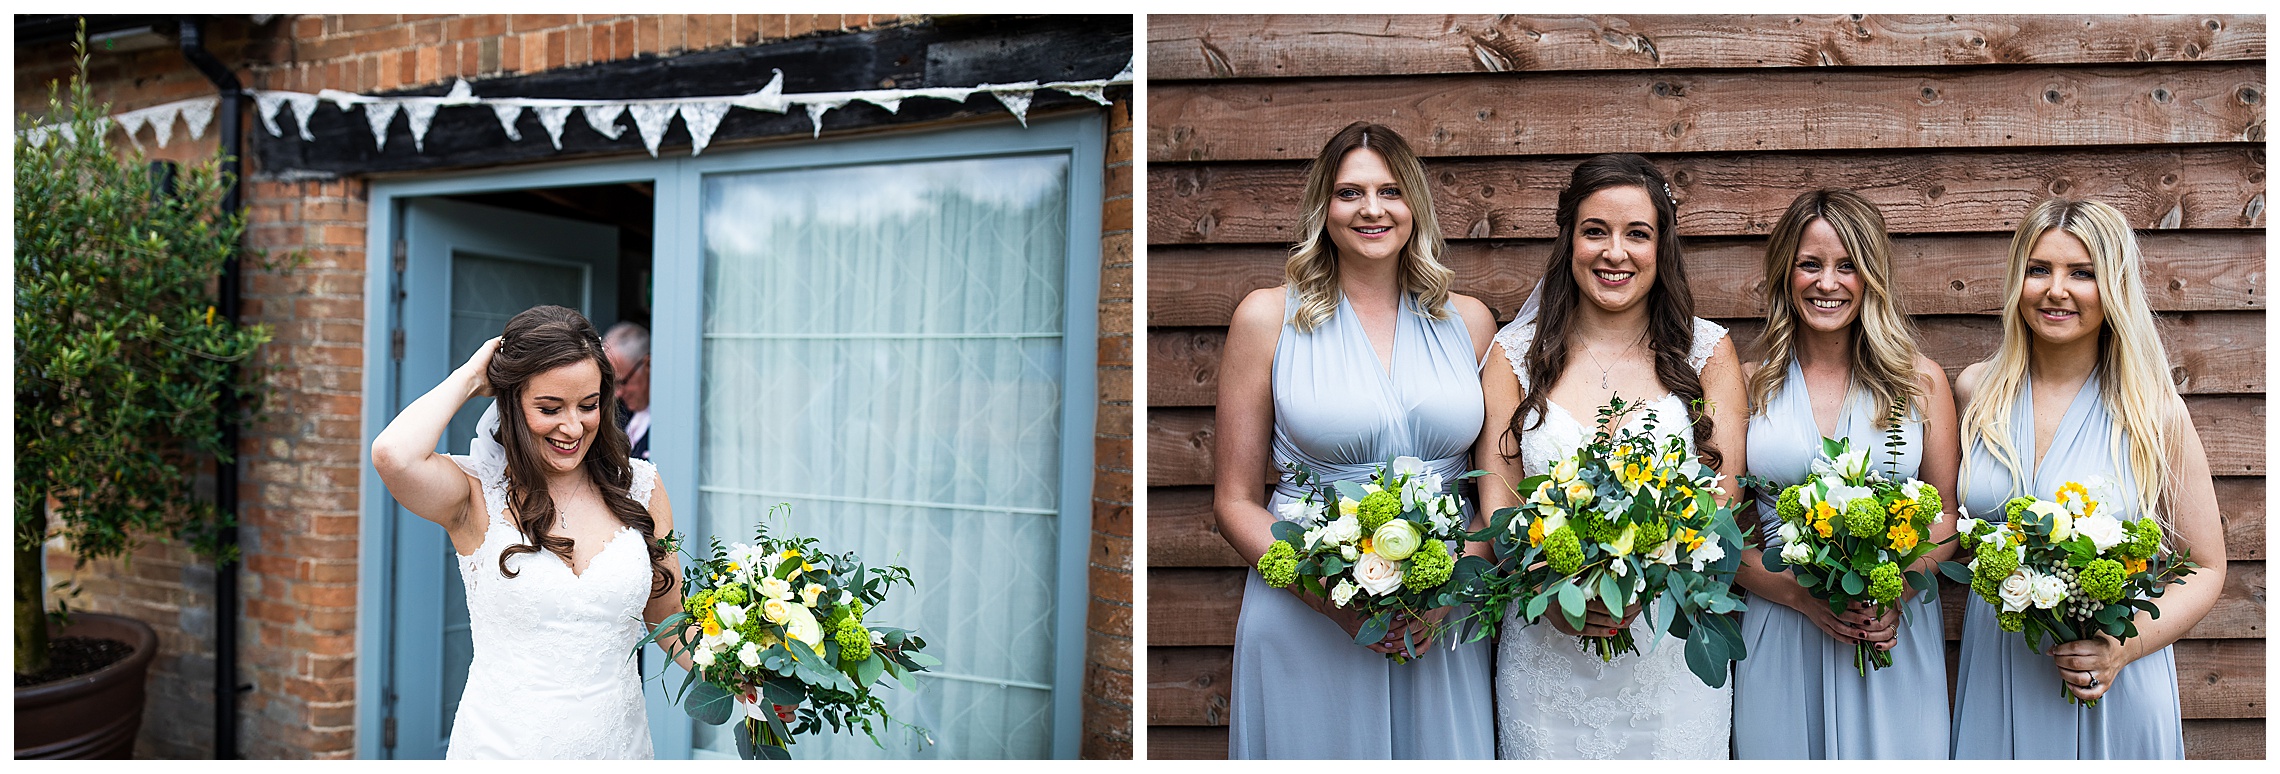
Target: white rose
(1342, 593)
(1796, 553)
(813, 592)
(749, 655)
(1710, 551)
(1565, 471)
(1349, 553)
(776, 611)
(2103, 531)
(1787, 531)
(1580, 494)
(1346, 529)
(1377, 575)
(2048, 591)
(1312, 537)
(2015, 590)
(775, 588)
(702, 657)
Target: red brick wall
(1108, 620)
(300, 465)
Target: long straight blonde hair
(1312, 268)
(1883, 343)
(2134, 365)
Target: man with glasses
(627, 345)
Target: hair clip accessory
(1668, 195)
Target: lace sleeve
(644, 481)
(493, 475)
(1706, 336)
(1515, 337)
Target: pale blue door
(467, 269)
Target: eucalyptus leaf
(1372, 630)
(710, 704)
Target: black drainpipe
(232, 139)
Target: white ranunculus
(2103, 531)
(1377, 575)
(749, 655)
(775, 588)
(731, 616)
(2048, 591)
(2061, 522)
(1343, 592)
(1710, 551)
(1396, 540)
(2016, 590)
(1565, 471)
(1796, 552)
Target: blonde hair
(2134, 384)
(1884, 342)
(1312, 269)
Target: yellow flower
(712, 626)
(2133, 566)
(1690, 538)
(1902, 536)
(1536, 532)
(1365, 545)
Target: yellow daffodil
(712, 626)
(2133, 566)
(1536, 532)
(1902, 537)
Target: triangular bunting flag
(815, 111)
(508, 115)
(304, 107)
(651, 119)
(132, 121)
(702, 118)
(378, 115)
(460, 94)
(1091, 91)
(769, 98)
(199, 113)
(341, 99)
(1016, 99)
(266, 103)
(603, 119)
(1124, 75)
(891, 103)
(553, 117)
(419, 114)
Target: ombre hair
(1883, 344)
(541, 339)
(1312, 269)
(2134, 365)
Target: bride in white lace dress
(555, 528)
(1612, 317)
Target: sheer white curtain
(883, 350)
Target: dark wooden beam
(958, 51)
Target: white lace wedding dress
(553, 676)
(1554, 697)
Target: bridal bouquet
(1622, 521)
(776, 635)
(1850, 533)
(1393, 548)
(2060, 568)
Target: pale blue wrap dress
(1301, 687)
(2007, 698)
(1798, 695)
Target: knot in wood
(2051, 96)
(2161, 96)
(2248, 95)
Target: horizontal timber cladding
(957, 51)
(1240, 46)
(2169, 187)
(1954, 126)
(1721, 111)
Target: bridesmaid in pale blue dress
(2080, 391)
(1839, 353)
(1363, 356)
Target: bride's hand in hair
(478, 369)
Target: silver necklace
(1603, 368)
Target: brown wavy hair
(541, 339)
(1670, 303)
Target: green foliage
(122, 359)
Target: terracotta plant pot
(95, 715)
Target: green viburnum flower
(1651, 536)
(1928, 501)
(702, 600)
(1884, 583)
(1563, 550)
(2011, 622)
(1429, 567)
(1864, 517)
(1594, 528)
(1791, 507)
(850, 613)
(2144, 540)
(1378, 508)
(2016, 506)
(1994, 565)
(734, 594)
(2102, 580)
(854, 643)
(1280, 565)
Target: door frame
(676, 332)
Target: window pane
(883, 350)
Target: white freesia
(2047, 592)
(1840, 496)
(1343, 592)
(1710, 551)
(2103, 531)
(749, 655)
(2015, 591)
(1377, 575)
(731, 616)
(1852, 464)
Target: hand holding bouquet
(1850, 533)
(777, 629)
(1392, 549)
(1623, 521)
(2061, 568)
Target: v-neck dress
(2007, 698)
(1301, 688)
(1798, 695)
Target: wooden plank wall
(1954, 126)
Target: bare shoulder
(1967, 383)
(1931, 376)
(1479, 322)
(1723, 355)
(1261, 310)
(1749, 369)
